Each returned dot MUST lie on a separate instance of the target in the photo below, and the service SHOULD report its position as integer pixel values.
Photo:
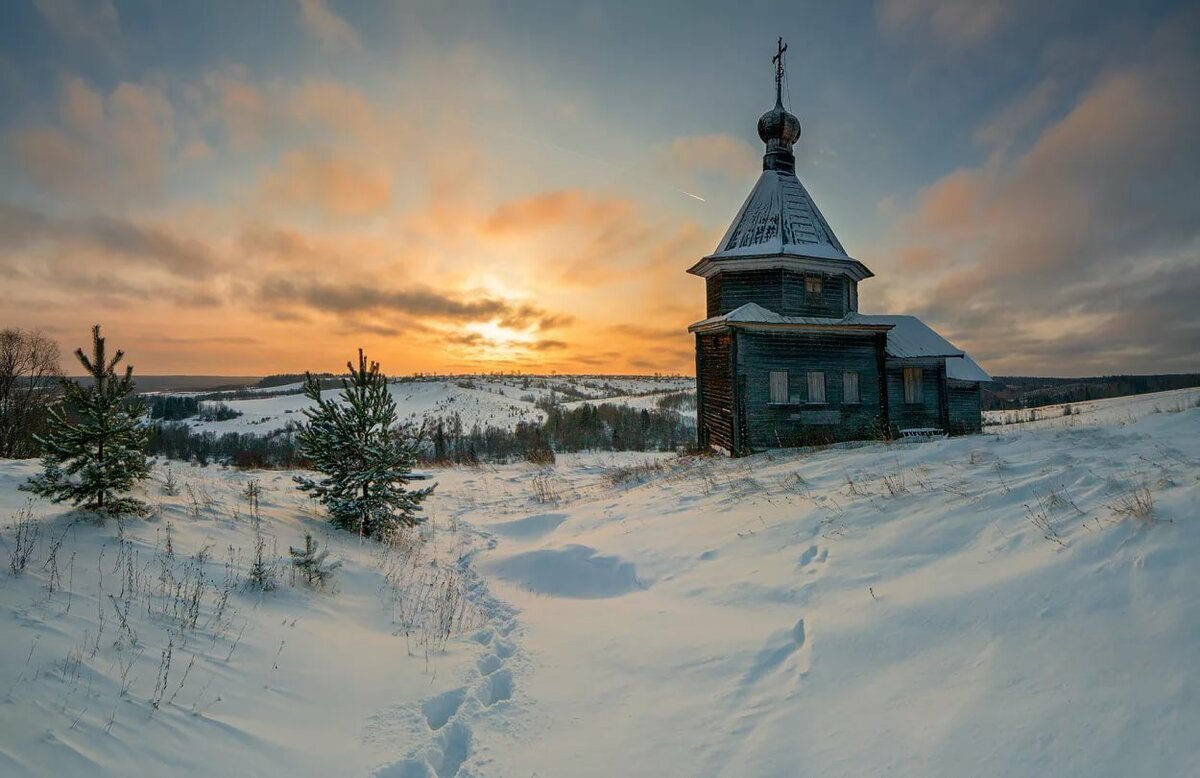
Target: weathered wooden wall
(930, 412)
(781, 291)
(714, 388)
(771, 426)
(966, 415)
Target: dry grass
(622, 475)
(1135, 502)
(544, 490)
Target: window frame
(773, 397)
(813, 285)
(914, 386)
(857, 387)
(813, 374)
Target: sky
(253, 188)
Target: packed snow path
(1021, 604)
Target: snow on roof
(779, 217)
(910, 338)
(965, 369)
(907, 336)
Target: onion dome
(779, 125)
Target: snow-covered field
(496, 401)
(1109, 411)
(995, 605)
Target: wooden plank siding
(712, 290)
(929, 412)
(966, 407)
(714, 390)
(767, 425)
(781, 291)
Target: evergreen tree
(311, 564)
(94, 449)
(365, 454)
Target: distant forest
(1007, 392)
(602, 427)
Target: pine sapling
(313, 565)
(262, 571)
(95, 447)
(364, 453)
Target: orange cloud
(327, 27)
(1090, 224)
(113, 147)
(329, 182)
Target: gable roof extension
(907, 336)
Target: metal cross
(778, 60)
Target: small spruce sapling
(312, 564)
(95, 447)
(262, 570)
(365, 454)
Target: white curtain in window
(913, 389)
(779, 386)
(816, 387)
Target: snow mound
(530, 527)
(574, 571)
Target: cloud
(551, 210)
(361, 298)
(959, 24)
(244, 110)
(103, 148)
(82, 238)
(331, 182)
(1082, 247)
(1018, 116)
(327, 27)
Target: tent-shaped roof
(780, 217)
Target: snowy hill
(1109, 411)
(497, 401)
(1015, 604)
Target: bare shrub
(25, 531)
(251, 494)
(620, 475)
(540, 455)
(894, 484)
(543, 488)
(29, 373)
(1040, 516)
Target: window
(779, 387)
(812, 284)
(816, 386)
(913, 390)
(850, 388)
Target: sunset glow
(457, 189)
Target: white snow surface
(1111, 411)
(982, 605)
(496, 401)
